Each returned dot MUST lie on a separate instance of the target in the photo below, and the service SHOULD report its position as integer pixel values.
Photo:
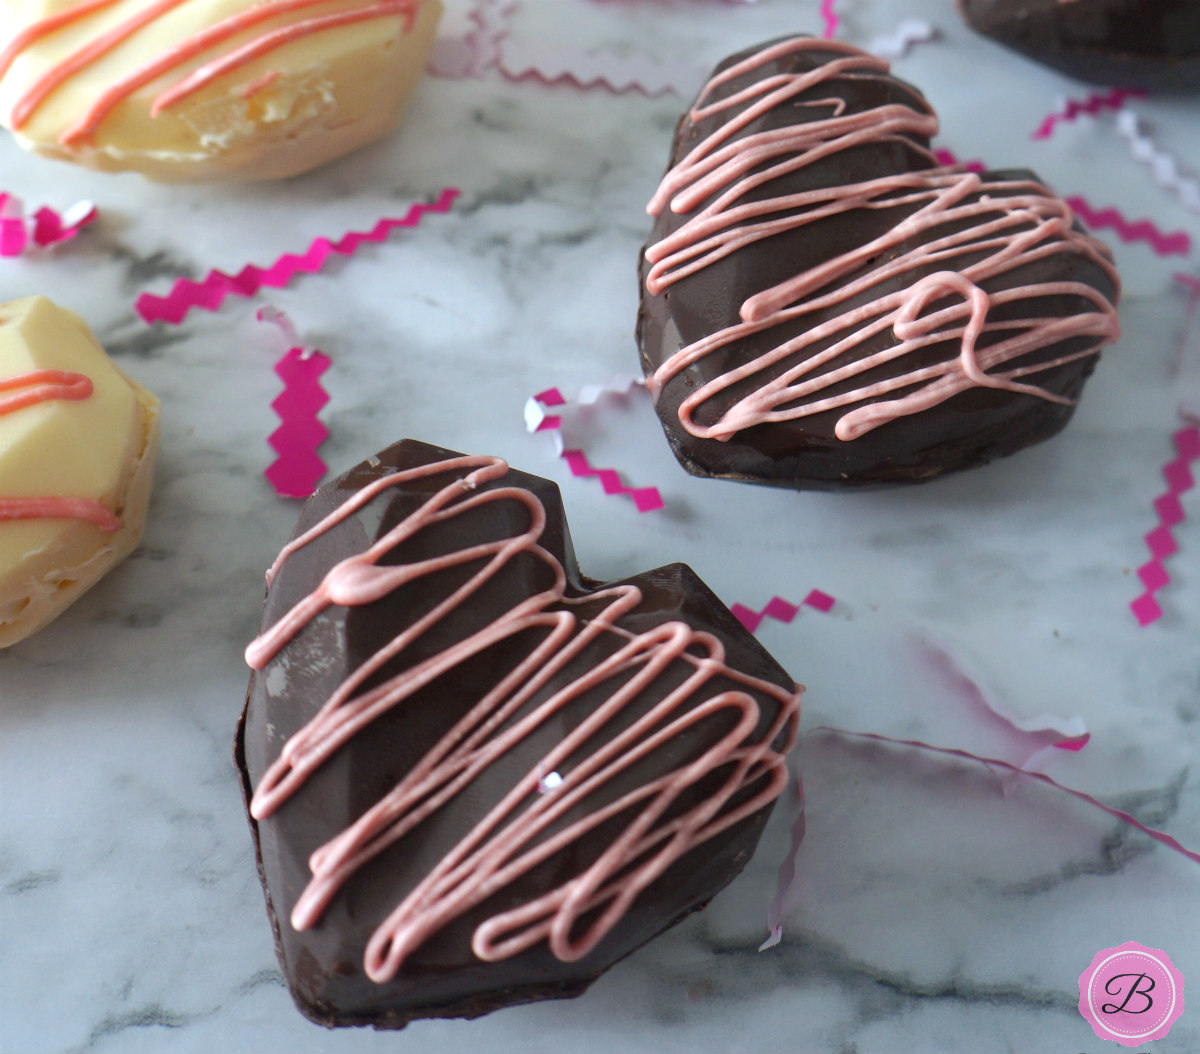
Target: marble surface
(933, 911)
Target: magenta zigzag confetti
(780, 609)
(896, 44)
(1176, 243)
(1160, 541)
(1163, 166)
(830, 19)
(1093, 104)
(585, 72)
(646, 499)
(212, 291)
(1124, 817)
(294, 474)
(44, 228)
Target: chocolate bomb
(475, 777)
(1151, 44)
(825, 306)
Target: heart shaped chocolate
(823, 305)
(475, 777)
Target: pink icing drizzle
(517, 833)
(27, 104)
(1025, 225)
(41, 386)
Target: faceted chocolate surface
(1151, 44)
(442, 975)
(970, 428)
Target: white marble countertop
(932, 910)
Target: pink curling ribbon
(1070, 109)
(1038, 737)
(645, 499)
(785, 878)
(1120, 814)
(1160, 541)
(474, 52)
(211, 292)
(44, 228)
(778, 608)
(297, 470)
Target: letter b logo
(1131, 994)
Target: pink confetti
(43, 229)
(780, 609)
(1093, 104)
(1124, 817)
(585, 70)
(477, 50)
(946, 157)
(1160, 541)
(830, 19)
(645, 499)
(295, 473)
(899, 41)
(785, 878)
(1039, 736)
(1162, 165)
(1175, 243)
(212, 291)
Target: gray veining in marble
(933, 911)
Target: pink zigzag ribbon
(1038, 736)
(1160, 541)
(297, 470)
(44, 228)
(780, 609)
(645, 499)
(295, 473)
(1093, 104)
(785, 877)
(1120, 814)
(1175, 243)
(829, 18)
(212, 291)
(899, 41)
(1162, 165)
(477, 50)
(580, 69)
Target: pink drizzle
(513, 837)
(41, 386)
(173, 57)
(1011, 231)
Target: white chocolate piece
(341, 78)
(99, 448)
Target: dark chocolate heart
(477, 778)
(823, 305)
(1153, 44)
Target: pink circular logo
(1131, 994)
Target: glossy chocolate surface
(444, 977)
(971, 428)
(1151, 44)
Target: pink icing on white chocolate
(30, 389)
(518, 833)
(1006, 230)
(223, 32)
